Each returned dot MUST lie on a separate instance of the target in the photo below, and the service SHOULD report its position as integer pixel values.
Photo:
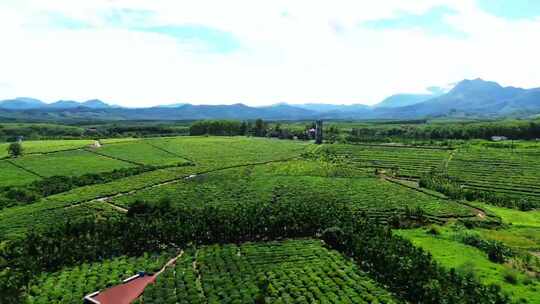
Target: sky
(140, 53)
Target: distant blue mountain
(402, 100)
(324, 107)
(64, 104)
(95, 104)
(475, 98)
(21, 103)
(24, 103)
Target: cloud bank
(143, 53)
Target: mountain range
(469, 98)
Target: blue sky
(148, 52)
(512, 9)
(432, 21)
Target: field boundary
(167, 151)
(113, 157)
(24, 169)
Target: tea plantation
(258, 220)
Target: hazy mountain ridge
(402, 100)
(468, 98)
(25, 103)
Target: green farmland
(255, 219)
(233, 274)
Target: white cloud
(290, 51)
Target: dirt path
(169, 263)
(121, 209)
(169, 152)
(113, 157)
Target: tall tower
(318, 132)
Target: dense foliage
(15, 149)
(12, 131)
(442, 131)
(496, 250)
(408, 271)
(291, 271)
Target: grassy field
(220, 152)
(140, 153)
(466, 259)
(106, 141)
(521, 233)
(47, 146)
(69, 163)
(11, 175)
(295, 271)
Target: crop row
(300, 271)
(498, 171)
(71, 284)
(280, 182)
(408, 161)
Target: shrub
(334, 237)
(510, 276)
(434, 230)
(15, 149)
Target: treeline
(408, 271)
(12, 132)
(257, 128)
(261, 128)
(452, 188)
(21, 195)
(444, 131)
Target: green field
(139, 152)
(69, 163)
(404, 161)
(47, 146)
(221, 152)
(11, 175)
(296, 271)
(515, 173)
(232, 176)
(453, 254)
(297, 180)
(71, 284)
(15, 220)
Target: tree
(260, 128)
(15, 149)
